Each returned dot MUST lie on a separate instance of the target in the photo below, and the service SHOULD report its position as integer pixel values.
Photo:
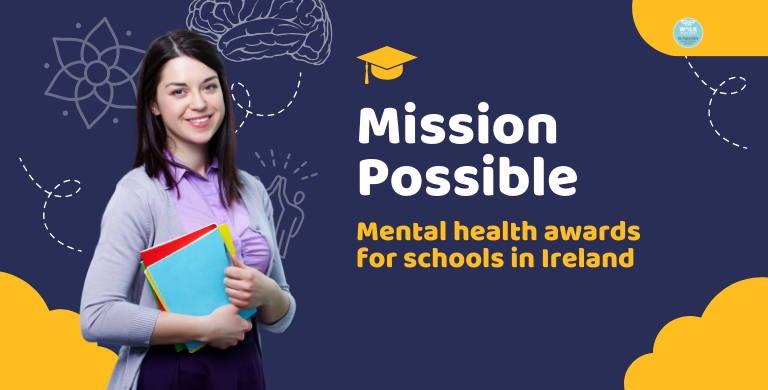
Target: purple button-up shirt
(199, 206)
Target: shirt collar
(178, 173)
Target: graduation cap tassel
(385, 63)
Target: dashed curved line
(709, 114)
(714, 93)
(46, 201)
(249, 102)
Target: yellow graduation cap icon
(387, 63)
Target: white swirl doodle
(247, 110)
(715, 92)
(49, 196)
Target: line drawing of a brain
(244, 30)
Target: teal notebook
(191, 280)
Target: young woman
(184, 178)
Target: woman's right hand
(225, 327)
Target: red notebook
(159, 252)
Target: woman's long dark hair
(151, 130)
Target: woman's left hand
(247, 287)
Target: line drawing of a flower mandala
(73, 71)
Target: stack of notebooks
(186, 274)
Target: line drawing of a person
(290, 213)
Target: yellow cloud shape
(727, 348)
(731, 28)
(43, 349)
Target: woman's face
(189, 102)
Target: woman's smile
(200, 122)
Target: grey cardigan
(117, 305)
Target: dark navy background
(631, 122)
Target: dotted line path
(247, 111)
(232, 88)
(49, 196)
(715, 93)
